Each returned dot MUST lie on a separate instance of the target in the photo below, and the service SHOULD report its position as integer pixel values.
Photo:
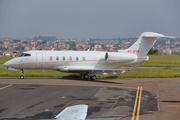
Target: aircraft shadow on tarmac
(170, 101)
(97, 80)
(76, 78)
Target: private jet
(87, 63)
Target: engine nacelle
(118, 57)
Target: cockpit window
(27, 54)
(20, 55)
(23, 54)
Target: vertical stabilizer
(144, 43)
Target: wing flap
(97, 70)
(112, 71)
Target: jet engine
(118, 57)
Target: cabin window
(77, 58)
(50, 57)
(70, 58)
(57, 58)
(63, 58)
(83, 58)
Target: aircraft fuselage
(62, 60)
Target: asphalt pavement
(43, 98)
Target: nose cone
(6, 64)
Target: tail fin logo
(133, 51)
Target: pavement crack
(32, 106)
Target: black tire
(22, 77)
(86, 76)
(93, 77)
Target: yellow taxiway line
(138, 95)
(5, 87)
(173, 105)
(135, 104)
(139, 104)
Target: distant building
(7, 54)
(7, 42)
(167, 51)
(34, 43)
(28, 47)
(97, 46)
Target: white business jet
(87, 63)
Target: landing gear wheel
(22, 74)
(93, 77)
(22, 77)
(85, 76)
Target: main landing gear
(87, 76)
(22, 74)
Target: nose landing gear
(22, 74)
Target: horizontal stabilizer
(146, 36)
(155, 35)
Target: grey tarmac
(43, 98)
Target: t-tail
(144, 43)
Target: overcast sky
(88, 18)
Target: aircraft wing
(98, 70)
(112, 71)
(77, 112)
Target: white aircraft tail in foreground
(77, 112)
(87, 63)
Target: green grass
(163, 61)
(151, 73)
(4, 59)
(171, 64)
(34, 73)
